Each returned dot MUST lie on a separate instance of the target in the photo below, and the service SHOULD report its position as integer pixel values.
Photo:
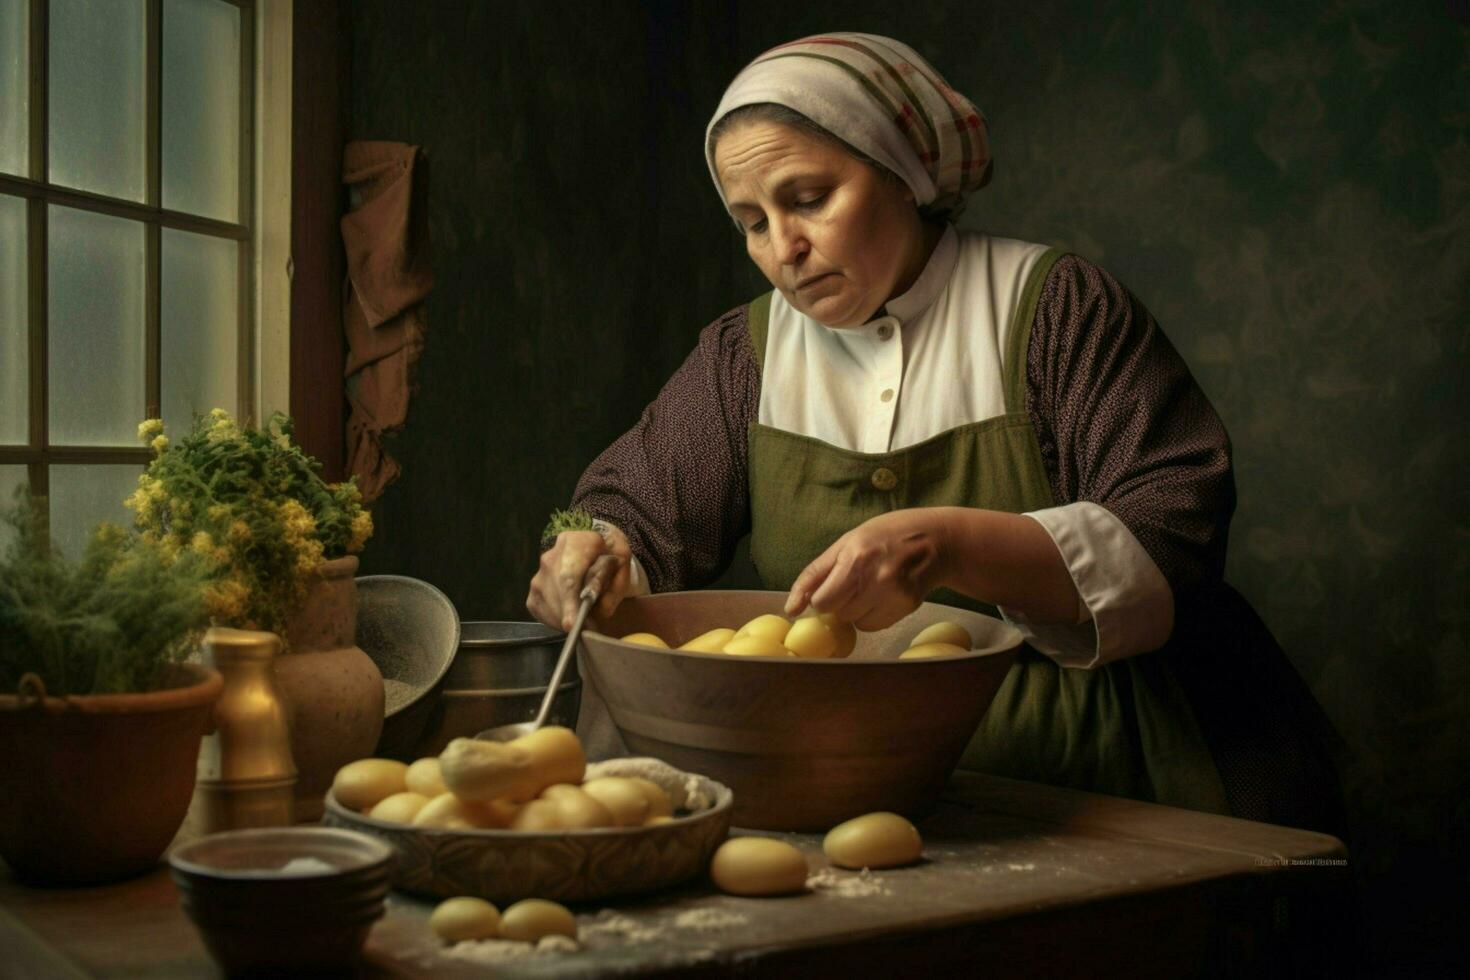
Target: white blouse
(931, 363)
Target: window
(125, 238)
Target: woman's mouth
(813, 280)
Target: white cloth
(880, 97)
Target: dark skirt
(1273, 745)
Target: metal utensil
(593, 584)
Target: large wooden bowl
(804, 744)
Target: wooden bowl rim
(724, 801)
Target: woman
(916, 412)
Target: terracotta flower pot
(333, 689)
(93, 787)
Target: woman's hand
(557, 585)
(880, 571)
(877, 573)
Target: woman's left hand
(877, 573)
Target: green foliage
(565, 520)
(110, 623)
(253, 506)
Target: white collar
(930, 283)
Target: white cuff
(1129, 603)
(637, 578)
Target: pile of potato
(531, 783)
(817, 637)
(812, 637)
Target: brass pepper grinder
(246, 775)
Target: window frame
(38, 455)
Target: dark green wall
(1287, 187)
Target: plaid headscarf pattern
(879, 96)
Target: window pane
(14, 360)
(96, 96)
(95, 339)
(14, 86)
(199, 326)
(10, 478)
(201, 107)
(82, 495)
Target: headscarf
(880, 97)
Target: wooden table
(1019, 879)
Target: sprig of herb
(565, 520)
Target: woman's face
(828, 231)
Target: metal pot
(499, 676)
(497, 656)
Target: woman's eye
(756, 228)
(812, 203)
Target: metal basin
(499, 656)
(804, 744)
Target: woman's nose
(790, 241)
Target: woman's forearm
(1005, 559)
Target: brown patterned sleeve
(1123, 424)
(675, 483)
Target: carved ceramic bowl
(505, 866)
(804, 744)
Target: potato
(399, 808)
(473, 769)
(659, 804)
(929, 650)
(811, 638)
(646, 640)
(363, 784)
(758, 866)
(655, 821)
(945, 632)
(497, 814)
(423, 777)
(769, 625)
(578, 808)
(449, 812)
(712, 642)
(455, 920)
(556, 757)
(624, 799)
(846, 635)
(538, 815)
(532, 918)
(874, 840)
(756, 646)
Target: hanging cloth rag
(386, 236)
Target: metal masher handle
(596, 579)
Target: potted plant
(100, 715)
(281, 543)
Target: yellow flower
(219, 512)
(227, 600)
(362, 529)
(159, 443)
(221, 426)
(299, 525)
(239, 532)
(202, 543)
(309, 556)
(149, 428)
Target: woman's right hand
(557, 585)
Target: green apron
(1125, 728)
